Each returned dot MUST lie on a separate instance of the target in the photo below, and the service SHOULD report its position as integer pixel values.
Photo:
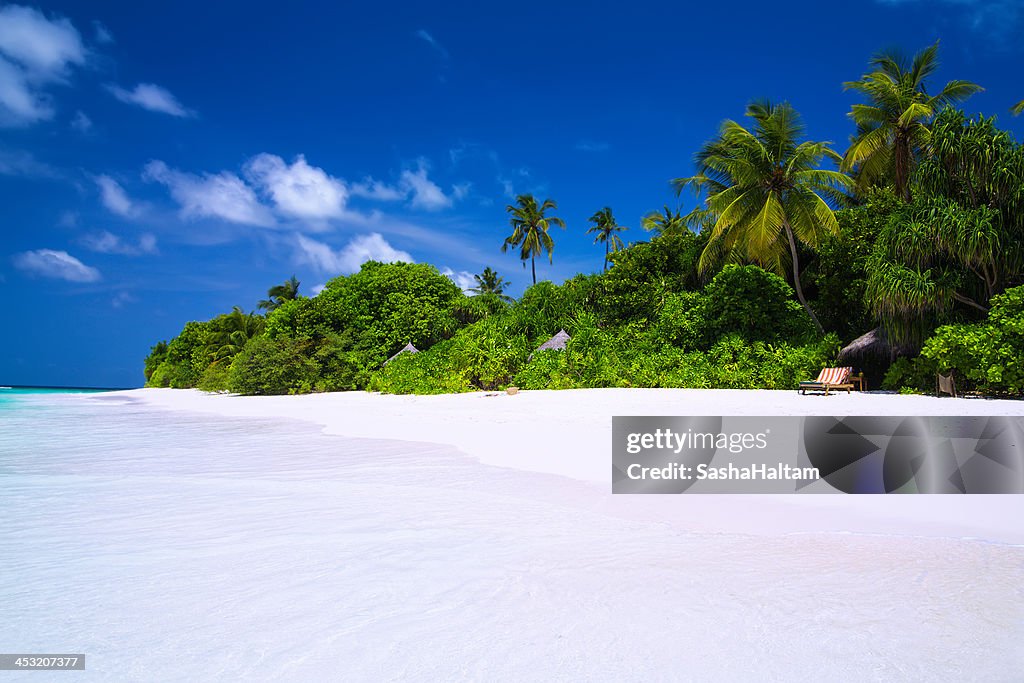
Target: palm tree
(278, 294)
(663, 222)
(490, 283)
(530, 229)
(234, 330)
(766, 192)
(893, 129)
(606, 227)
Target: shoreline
(568, 434)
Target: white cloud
(81, 122)
(298, 190)
(20, 103)
(108, 243)
(372, 247)
(223, 195)
(316, 289)
(462, 278)
(375, 189)
(115, 198)
(426, 194)
(55, 264)
(44, 47)
(423, 192)
(34, 51)
(151, 97)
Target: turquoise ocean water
(7, 394)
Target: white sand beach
(361, 537)
(568, 433)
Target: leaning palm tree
(235, 329)
(893, 128)
(278, 294)
(606, 229)
(664, 222)
(766, 192)
(530, 229)
(489, 283)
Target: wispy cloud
(106, 242)
(59, 265)
(371, 247)
(121, 299)
(369, 188)
(151, 97)
(429, 39)
(114, 198)
(224, 195)
(999, 20)
(23, 164)
(426, 194)
(35, 51)
(592, 146)
(101, 34)
(81, 122)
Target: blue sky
(164, 162)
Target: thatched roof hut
(873, 344)
(557, 343)
(408, 348)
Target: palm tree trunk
(606, 246)
(533, 267)
(796, 279)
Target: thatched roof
(408, 348)
(557, 343)
(873, 344)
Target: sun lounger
(830, 379)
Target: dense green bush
(597, 360)
(426, 372)
(989, 355)
(740, 300)
(755, 305)
(646, 273)
(273, 366)
(185, 358)
(839, 272)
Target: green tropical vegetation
(766, 192)
(902, 255)
(606, 229)
(530, 226)
(278, 294)
(893, 127)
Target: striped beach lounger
(828, 380)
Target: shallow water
(173, 547)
